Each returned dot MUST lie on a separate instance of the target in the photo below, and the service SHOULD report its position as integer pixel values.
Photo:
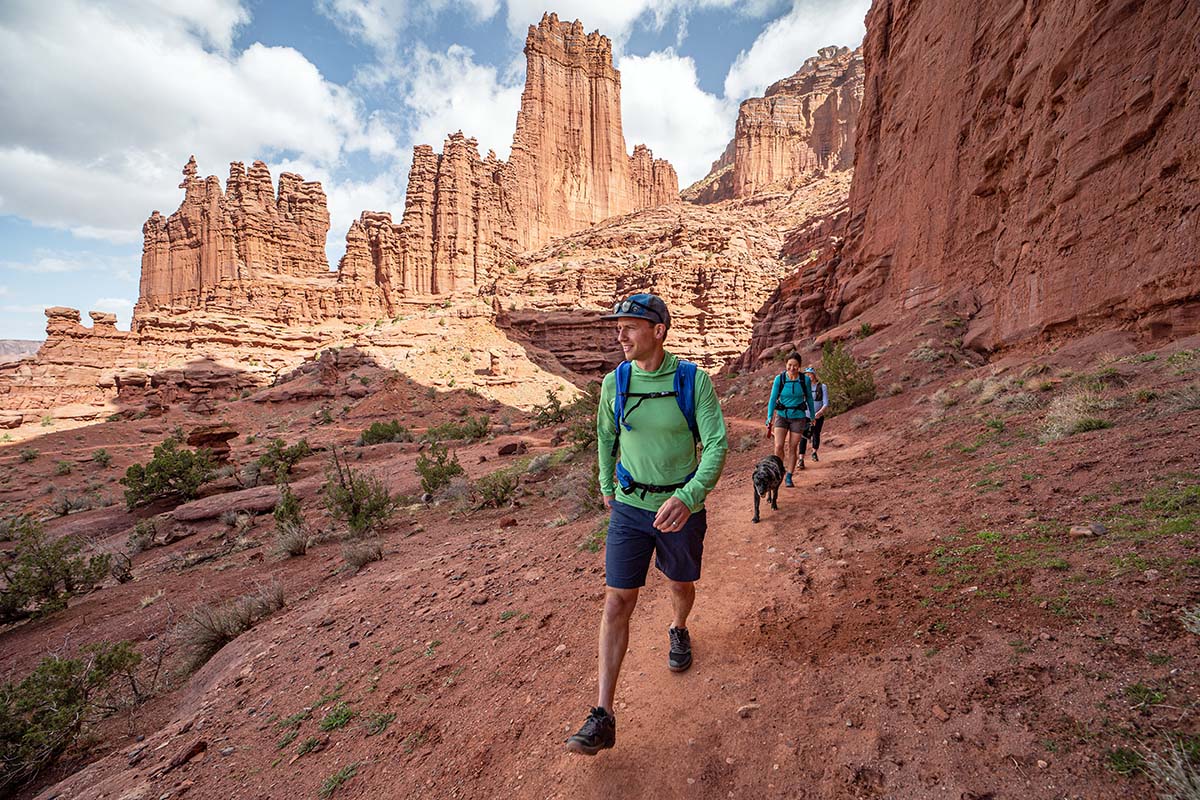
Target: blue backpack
(684, 393)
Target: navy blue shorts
(632, 539)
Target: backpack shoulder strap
(685, 394)
(623, 371)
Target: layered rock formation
(1038, 170)
(248, 232)
(1045, 163)
(569, 167)
(802, 126)
(716, 266)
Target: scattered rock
(479, 600)
(941, 713)
(745, 711)
(1087, 531)
(508, 522)
(513, 449)
(185, 755)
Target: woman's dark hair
(794, 355)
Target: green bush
(29, 454)
(173, 472)
(102, 458)
(470, 429)
(142, 536)
(552, 413)
(850, 382)
(437, 468)
(581, 418)
(43, 715)
(278, 460)
(361, 501)
(381, 432)
(63, 468)
(497, 489)
(291, 531)
(43, 574)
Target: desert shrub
(497, 489)
(1176, 773)
(553, 412)
(358, 554)
(1189, 617)
(746, 443)
(142, 537)
(291, 530)
(101, 458)
(470, 429)
(325, 416)
(63, 468)
(208, 628)
(865, 330)
(44, 714)
(437, 468)
(581, 418)
(1186, 398)
(361, 501)
(850, 382)
(43, 574)
(277, 461)
(172, 472)
(66, 504)
(380, 432)
(1072, 413)
(29, 454)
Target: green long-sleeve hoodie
(660, 449)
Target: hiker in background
(788, 413)
(653, 410)
(820, 396)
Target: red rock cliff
(1043, 157)
(249, 232)
(803, 125)
(569, 167)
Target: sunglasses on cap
(637, 308)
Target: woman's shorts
(799, 425)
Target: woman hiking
(788, 413)
(820, 396)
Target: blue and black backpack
(684, 393)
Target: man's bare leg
(683, 596)
(614, 640)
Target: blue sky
(101, 103)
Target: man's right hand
(608, 501)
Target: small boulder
(513, 449)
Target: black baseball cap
(649, 307)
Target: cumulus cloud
(448, 92)
(151, 83)
(50, 262)
(783, 46)
(379, 23)
(663, 106)
(616, 19)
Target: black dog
(768, 474)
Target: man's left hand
(672, 515)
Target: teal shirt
(660, 449)
(796, 395)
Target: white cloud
(663, 106)
(616, 18)
(112, 304)
(448, 92)
(26, 308)
(783, 46)
(379, 23)
(3, 291)
(50, 262)
(102, 105)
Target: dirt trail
(681, 735)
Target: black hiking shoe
(680, 657)
(814, 456)
(599, 732)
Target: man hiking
(654, 409)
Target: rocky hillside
(803, 126)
